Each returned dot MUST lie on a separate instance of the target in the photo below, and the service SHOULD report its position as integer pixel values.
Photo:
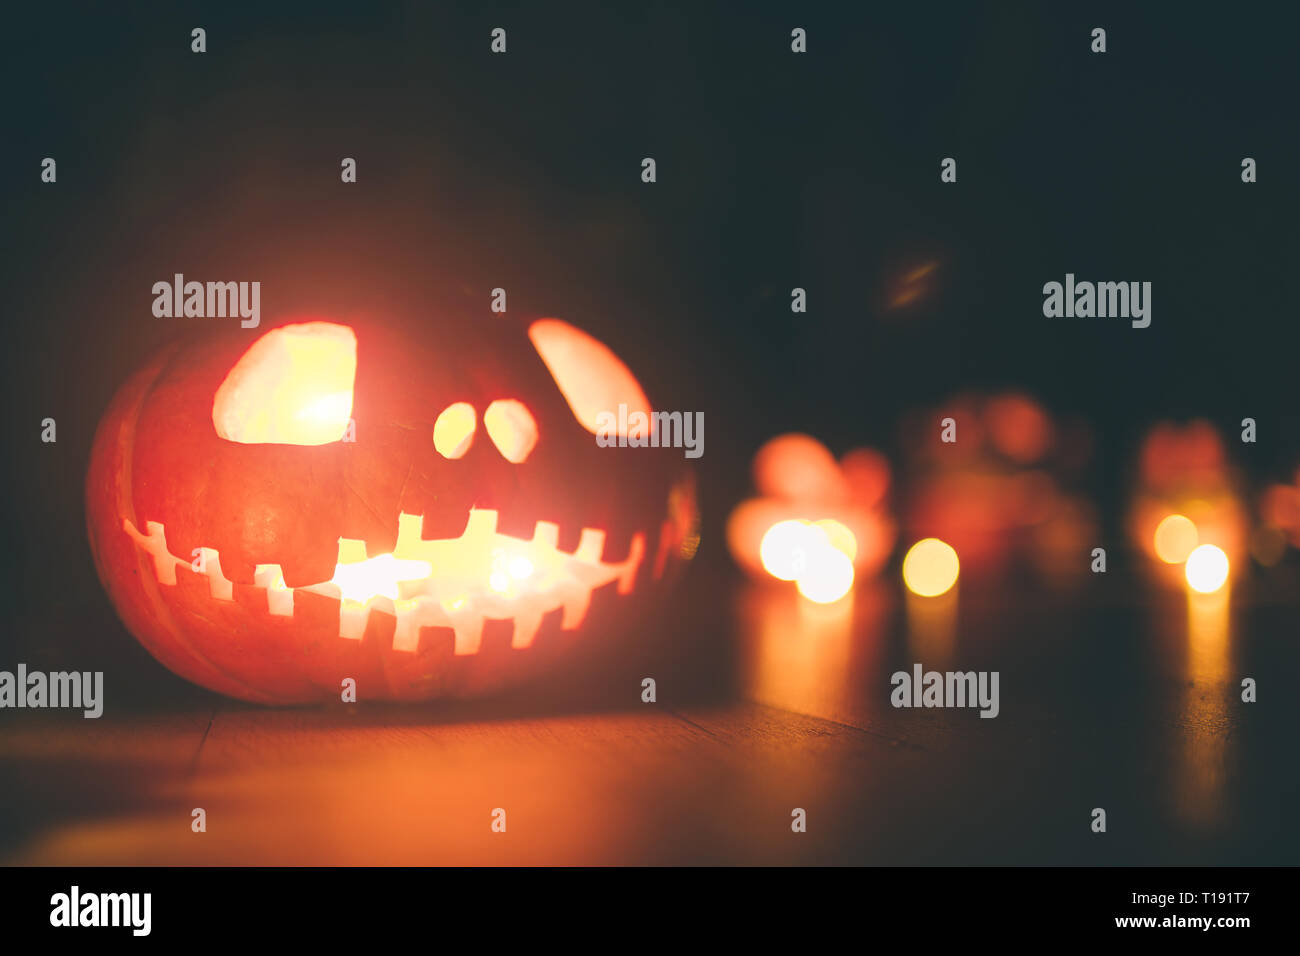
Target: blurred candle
(1206, 569)
(1205, 701)
(930, 568)
(1175, 538)
(932, 627)
(821, 659)
(930, 572)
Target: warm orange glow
(806, 553)
(799, 468)
(785, 546)
(292, 387)
(867, 473)
(1201, 742)
(1216, 510)
(279, 596)
(930, 568)
(1280, 508)
(1191, 454)
(1206, 569)
(867, 535)
(375, 577)
(460, 582)
(1018, 427)
(511, 427)
(1175, 538)
(827, 575)
(912, 284)
(839, 536)
(456, 582)
(593, 380)
(810, 503)
(453, 432)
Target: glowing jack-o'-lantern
(427, 516)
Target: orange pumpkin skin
(164, 490)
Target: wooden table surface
(762, 707)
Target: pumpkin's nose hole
(453, 432)
(512, 428)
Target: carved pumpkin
(427, 514)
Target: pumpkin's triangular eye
(593, 380)
(292, 387)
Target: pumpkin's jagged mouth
(446, 582)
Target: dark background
(774, 170)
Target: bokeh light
(930, 568)
(818, 557)
(785, 548)
(827, 577)
(1018, 427)
(839, 536)
(1207, 569)
(1175, 538)
(798, 467)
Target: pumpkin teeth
(459, 582)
